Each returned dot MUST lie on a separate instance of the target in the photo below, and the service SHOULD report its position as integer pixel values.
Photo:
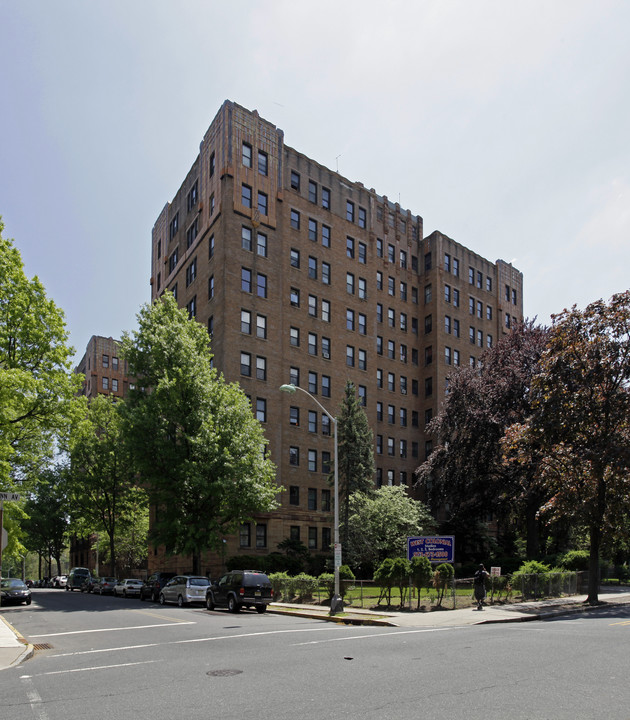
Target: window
(390, 446)
(488, 284)
(456, 267)
(325, 430)
(349, 211)
(479, 309)
(294, 376)
(326, 348)
(447, 262)
(312, 268)
(428, 324)
(379, 378)
(261, 535)
(362, 253)
(488, 312)
(261, 410)
(172, 261)
(261, 368)
(261, 244)
(295, 532)
(379, 444)
(211, 246)
(403, 385)
(263, 163)
(246, 364)
(362, 393)
(362, 324)
(428, 387)
(261, 285)
(325, 494)
(402, 257)
(447, 355)
(312, 538)
(294, 416)
(391, 253)
(456, 358)
(312, 382)
(247, 155)
(447, 293)
(246, 322)
(295, 219)
(192, 232)
(350, 283)
(312, 305)
(105, 361)
(428, 355)
(312, 461)
(312, 230)
(391, 381)
(391, 286)
(349, 247)
(246, 238)
(246, 196)
(312, 191)
(427, 261)
(295, 181)
(312, 495)
(212, 164)
(379, 280)
(326, 273)
(379, 312)
(349, 319)
(403, 290)
(115, 385)
(326, 198)
(325, 310)
(391, 349)
(191, 306)
(105, 383)
(245, 535)
(514, 297)
(362, 217)
(403, 321)
(262, 203)
(312, 421)
(403, 353)
(114, 363)
(479, 279)
(173, 227)
(294, 336)
(362, 359)
(246, 280)
(294, 495)
(391, 317)
(349, 356)
(379, 247)
(362, 292)
(295, 258)
(312, 344)
(326, 386)
(471, 306)
(261, 327)
(325, 236)
(379, 411)
(456, 328)
(455, 297)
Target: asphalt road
(104, 657)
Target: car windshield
(11, 583)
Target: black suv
(239, 589)
(152, 586)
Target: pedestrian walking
(479, 585)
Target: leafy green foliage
(580, 423)
(466, 471)
(37, 386)
(421, 572)
(442, 580)
(356, 455)
(575, 560)
(193, 437)
(379, 524)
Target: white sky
(505, 124)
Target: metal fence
(456, 593)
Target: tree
(355, 453)
(46, 522)
(102, 486)
(421, 571)
(581, 422)
(194, 440)
(466, 469)
(37, 386)
(379, 524)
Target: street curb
(333, 618)
(546, 615)
(28, 651)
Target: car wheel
(162, 599)
(125, 594)
(28, 602)
(155, 597)
(261, 608)
(180, 601)
(209, 602)
(233, 606)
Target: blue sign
(439, 549)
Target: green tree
(37, 386)
(442, 579)
(195, 442)
(580, 421)
(466, 470)
(380, 523)
(355, 453)
(101, 482)
(46, 523)
(421, 571)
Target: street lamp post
(336, 604)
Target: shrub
(328, 581)
(304, 586)
(280, 585)
(421, 572)
(442, 577)
(574, 560)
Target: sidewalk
(14, 649)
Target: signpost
(438, 548)
(10, 497)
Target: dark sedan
(14, 591)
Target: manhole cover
(223, 673)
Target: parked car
(130, 587)
(153, 584)
(89, 583)
(62, 581)
(105, 585)
(78, 575)
(14, 591)
(184, 589)
(239, 589)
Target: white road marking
(99, 630)
(35, 699)
(379, 635)
(87, 669)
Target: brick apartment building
(303, 276)
(105, 372)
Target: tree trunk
(112, 555)
(593, 565)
